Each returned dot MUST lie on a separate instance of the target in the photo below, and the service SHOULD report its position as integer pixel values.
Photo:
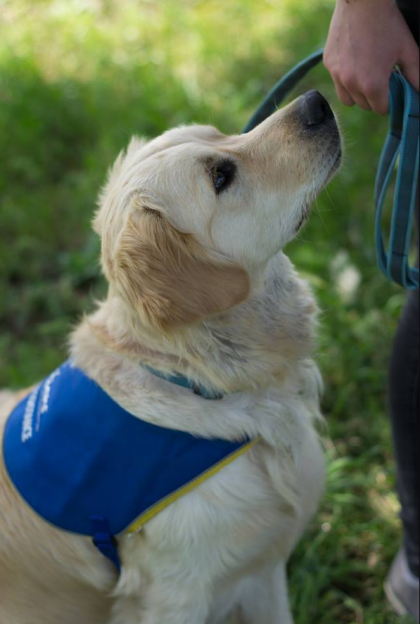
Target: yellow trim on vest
(187, 489)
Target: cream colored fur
(199, 285)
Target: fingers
(410, 64)
(349, 96)
(371, 92)
(412, 76)
(376, 92)
(378, 98)
(374, 95)
(361, 101)
(343, 95)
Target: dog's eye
(223, 175)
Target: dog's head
(188, 220)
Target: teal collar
(184, 382)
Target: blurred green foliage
(77, 79)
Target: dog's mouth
(337, 164)
(304, 218)
(331, 174)
(335, 168)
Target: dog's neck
(252, 346)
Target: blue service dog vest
(89, 467)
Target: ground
(77, 79)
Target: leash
(400, 154)
(282, 89)
(402, 145)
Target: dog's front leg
(265, 599)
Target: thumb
(410, 64)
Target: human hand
(367, 39)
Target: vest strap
(104, 541)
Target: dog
(193, 228)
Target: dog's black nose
(315, 110)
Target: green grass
(77, 79)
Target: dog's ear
(106, 209)
(169, 278)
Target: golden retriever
(193, 228)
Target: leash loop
(401, 152)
